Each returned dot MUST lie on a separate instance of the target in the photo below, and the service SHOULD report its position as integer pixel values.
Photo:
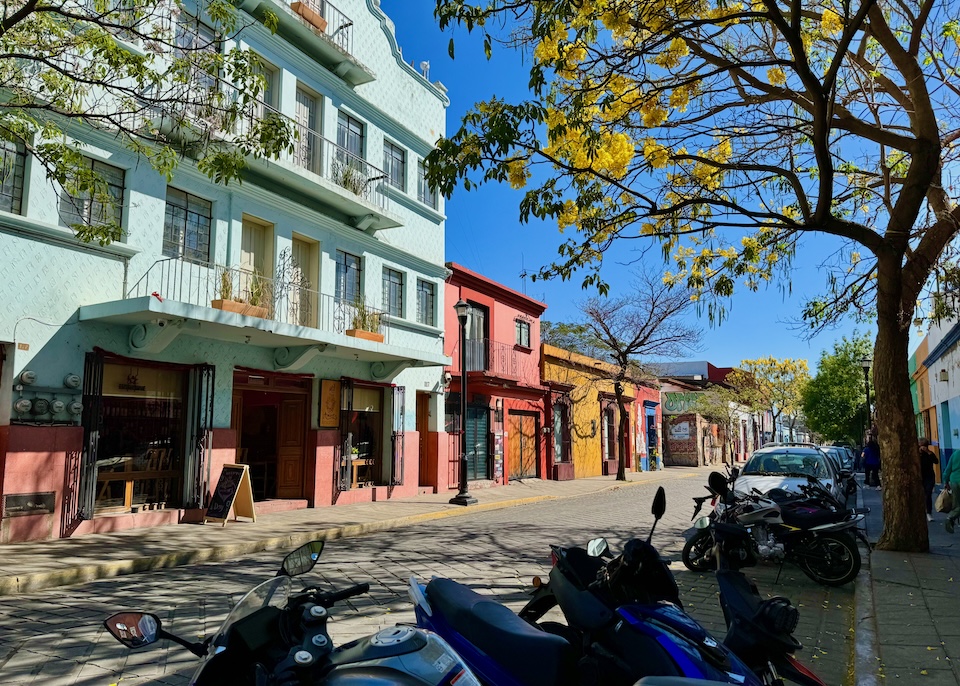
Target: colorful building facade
(281, 324)
(506, 424)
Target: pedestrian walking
(951, 479)
(871, 462)
(928, 459)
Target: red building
(505, 425)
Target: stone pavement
(55, 637)
(28, 567)
(915, 614)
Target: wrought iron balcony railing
(285, 298)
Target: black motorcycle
(276, 636)
(811, 529)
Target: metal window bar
(397, 438)
(92, 420)
(339, 29)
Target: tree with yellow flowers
(779, 385)
(727, 131)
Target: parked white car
(787, 466)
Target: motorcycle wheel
(696, 552)
(831, 559)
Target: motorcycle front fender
(790, 668)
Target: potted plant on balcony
(228, 303)
(310, 15)
(347, 175)
(366, 322)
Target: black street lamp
(866, 363)
(463, 497)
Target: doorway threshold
(279, 505)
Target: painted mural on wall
(679, 402)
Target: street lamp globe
(462, 307)
(866, 363)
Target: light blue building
(222, 328)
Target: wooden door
(307, 154)
(522, 446)
(426, 478)
(292, 442)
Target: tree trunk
(904, 513)
(623, 433)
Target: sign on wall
(329, 415)
(680, 431)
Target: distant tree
(649, 323)
(576, 338)
(780, 385)
(146, 74)
(834, 400)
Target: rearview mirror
(597, 547)
(735, 472)
(718, 483)
(133, 629)
(301, 560)
(659, 503)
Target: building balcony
(348, 187)
(318, 28)
(236, 305)
(486, 357)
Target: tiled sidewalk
(916, 609)
(26, 567)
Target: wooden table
(358, 463)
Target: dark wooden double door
(271, 426)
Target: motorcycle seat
(805, 517)
(532, 656)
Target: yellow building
(581, 385)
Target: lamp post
(866, 363)
(463, 497)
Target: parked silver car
(788, 466)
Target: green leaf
(450, 49)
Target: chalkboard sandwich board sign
(235, 490)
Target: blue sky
(483, 232)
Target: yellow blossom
(776, 77)
(518, 173)
(831, 23)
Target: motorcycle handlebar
(329, 599)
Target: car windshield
(787, 463)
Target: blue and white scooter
(624, 624)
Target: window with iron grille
(395, 165)
(98, 206)
(425, 194)
(186, 226)
(523, 333)
(348, 277)
(200, 44)
(393, 292)
(11, 176)
(350, 134)
(425, 302)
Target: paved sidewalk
(27, 567)
(916, 609)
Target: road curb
(84, 573)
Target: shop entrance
(271, 420)
(522, 444)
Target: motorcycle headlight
(702, 523)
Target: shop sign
(680, 431)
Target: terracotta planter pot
(310, 15)
(239, 308)
(366, 335)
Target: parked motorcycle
(277, 637)
(624, 623)
(810, 529)
(759, 631)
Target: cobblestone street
(55, 637)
